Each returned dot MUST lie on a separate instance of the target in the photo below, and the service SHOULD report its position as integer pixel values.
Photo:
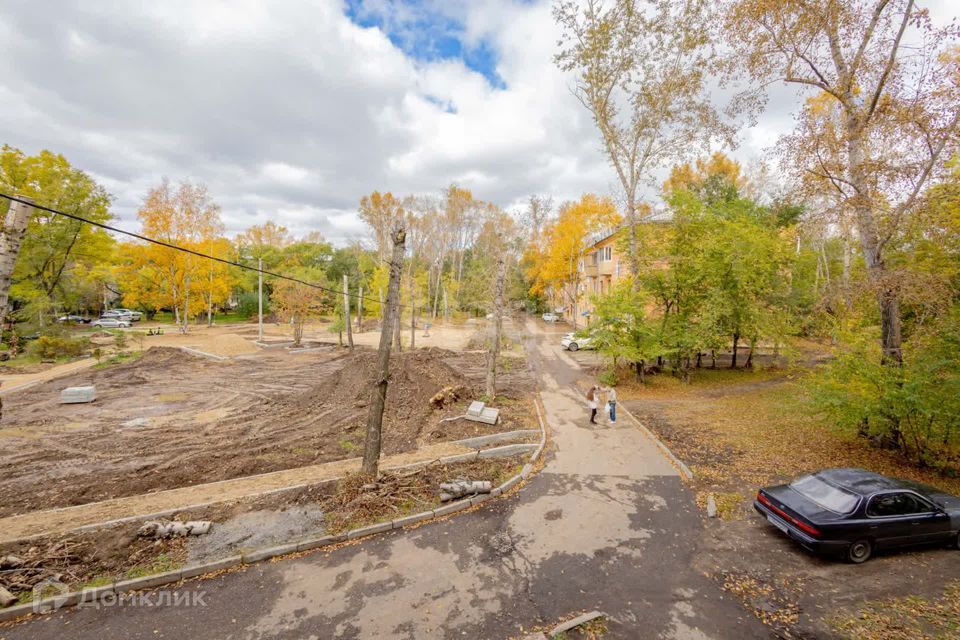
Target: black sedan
(852, 512)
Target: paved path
(607, 525)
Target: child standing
(612, 404)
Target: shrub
(53, 347)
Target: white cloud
(289, 111)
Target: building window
(618, 268)
(607, 253)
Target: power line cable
(186, 250)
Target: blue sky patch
(426, 35)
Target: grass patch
(909, 618)
(739, 430)
(162, 563)
(118, 358)
(347, 445)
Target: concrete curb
(203, 354)
(259, 555)
(664, 449)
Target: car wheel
(860, 551)
(573, 346)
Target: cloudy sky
(292, 110)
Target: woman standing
(592, 403)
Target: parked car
(136, 316)
(72, 319)
(111, 323)
(550, 317)
(125, 314)
(853, 512)
(572, 342)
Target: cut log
(461, 488)
(10, 562)
(157, 529)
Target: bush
(914, 408)
(247, 305)
(54, 347)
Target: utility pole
(378, 391)
(360, 311)
(346, 311)
(260, 300)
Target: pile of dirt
(339, 402)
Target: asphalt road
(606, 525)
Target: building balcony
(590, 270)
(606, 268)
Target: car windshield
(824, 494)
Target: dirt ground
(171, 419)
(741, 430)
(116, 552)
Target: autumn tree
(298, 302)
(380, 211)
(890, 79)
(559, 268)
(183, 216)
(640, 68)
(58, 255)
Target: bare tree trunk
(378, 391)
(413, 315)
(14, 228)
(493, 351)
(446, 310)
(733, 360)
(346, 311)
(887, 298)
(397, 343)
(185, 316)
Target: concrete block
(210, 567)
(366, 531)
(94, 594)
(453, 507)
(495, 438)
(316, 543)
(476, 408)
(414, 519)
(270, 552)
(487, 416)
(506, 451)
(148, 582)
(480, 498)
(11, 613)
(526, 471)
(75, 395)
(575, 622)
(711, 506)
(53, 603)
(496, 492)
(510, 484)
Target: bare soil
(116, 552)
(171, 419)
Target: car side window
(895, 504)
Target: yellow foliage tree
(557, 267)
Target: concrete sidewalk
(607, 525)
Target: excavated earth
(171, 419)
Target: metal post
(260, 299)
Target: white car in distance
(550, 317)
(110, 323)
(571, 342)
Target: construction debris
(76, 395)
(460, 488)
(563, 627)
(10, 562)
(158, 529)
(448, 395)
(6, 598)
(480, 412)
